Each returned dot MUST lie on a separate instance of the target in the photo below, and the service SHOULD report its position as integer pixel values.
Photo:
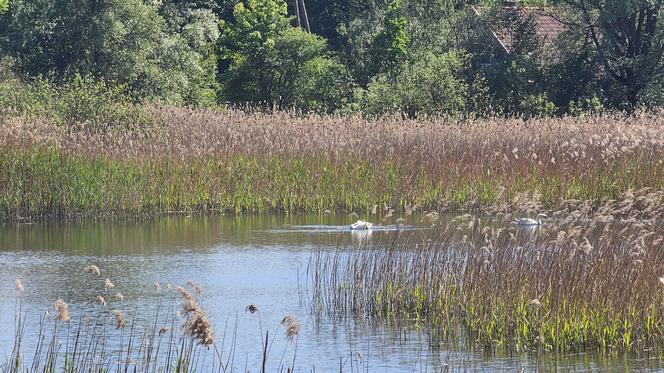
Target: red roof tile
(548, 27)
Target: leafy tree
(125, 42)
(516, 75)
(189, 48)
(629, 40)
(432, 85)
(383, 35)
(274, 63)
(392, 41)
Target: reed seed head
(119, 319)
(292, 326)
(62, 310)
(93, 269)
(197, 289)
(108, 285)
(535, 303)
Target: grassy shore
(230, 161)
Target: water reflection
(177, 233)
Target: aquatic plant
(233, 161)
(589, 278)
(62, 309)
(165, 343)
(92, 269)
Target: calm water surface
(238, 261)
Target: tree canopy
(375, 56)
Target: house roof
(548, 26)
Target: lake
(237, 261)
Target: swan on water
(530, 221)
(360, 224)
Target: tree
(629, 42)
(431, 85)
(123, 42)
(392, 41)
(274, 63)
(516, 72)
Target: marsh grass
(107, 338)
(589, 279)
(232, 161)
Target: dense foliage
(416, 57)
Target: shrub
(80, 101)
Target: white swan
(529, 221)
(360, 224)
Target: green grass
(587, 280)
(46, 182)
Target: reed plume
(62, 310)
(108, 285)
(196, 324)
(100, 300)
(119, 319)
(196, 288)
(292, 326)
(93, 269)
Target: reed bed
(590, 279)
(233, 161)
(106, 337)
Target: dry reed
(196, 324)
(119, 319)
(200, 159)
(93, 269)
(590, 278)
(62, 310)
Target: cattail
(119, 296)
(62, 309)
(119, 319)
(292, 326)
(93, 269)
(19, 285)
(100, 300)
(108, 285)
